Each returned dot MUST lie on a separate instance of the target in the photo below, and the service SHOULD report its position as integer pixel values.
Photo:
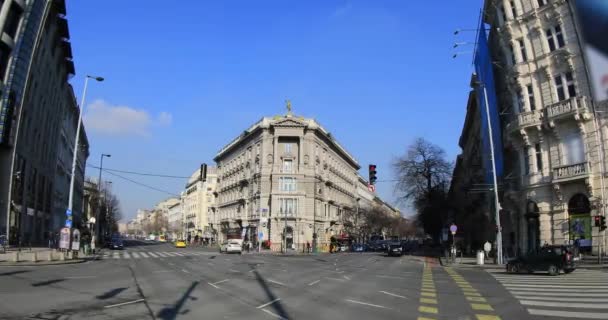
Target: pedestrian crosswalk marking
(126, 255)
(426, 309)
(486, 317)
(152, 255)
(143, 254)
(162, 255)
(481, 306)
(135, 255)
(116, 255)
(556, 297)
(428, 300)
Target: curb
(41, 264)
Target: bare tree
(423, 175)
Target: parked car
(359, 247)
(116, 244)
(552, 259)
(233, 245)
(394, 249)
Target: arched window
(579, 204)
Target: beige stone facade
(553, 181)
(287, 178)
(198, 199)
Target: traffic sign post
(453, 229)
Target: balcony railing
(526, 119)
(572, 106)
(571, 172)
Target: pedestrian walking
(307, 246)
(248, 246)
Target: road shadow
(277, 306)
(46, 283)
(170, 313)
(111, 293)
(10, 273)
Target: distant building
(198, 200)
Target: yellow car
(180, 244)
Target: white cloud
(105, 118)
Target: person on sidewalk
(307, 247)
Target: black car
(552, 259)
(116, 244)
(394, 249)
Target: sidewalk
(39, 256)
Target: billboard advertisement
(580, 229)
(592, 19)
(486, 91)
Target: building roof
(288, 120)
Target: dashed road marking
(268, 303)
(367, 304)
(314, 282)
(394, 295)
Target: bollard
(15, 257)
(50, 256)
(34, 256)
(62, 256)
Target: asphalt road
(157, 281)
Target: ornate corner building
(287, 180)
(554, 135)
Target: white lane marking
(221, 281)
(274, 314)
(273, 281)
(268, 303)
(312, 283)
(347, 278)
(394, 295)
(135, 255)
(335, 279)
(554, 286)
(556, 294)
(116, 255)
(367, 304)
(143, 254)
(211, 284)
(161, 254)
(126, 255)
(124, 303)
(179, 254)
(566, 299)
(80, 277)
(185, 271)
(389, 277)
(170, 254)
(563, 304)
(152, 255)
(568, 314)
(561, 290)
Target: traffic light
(372, 174)
(203, 172)
(603, 223)
(597, 220)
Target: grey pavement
(158, 281)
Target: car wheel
(516, 268)
(568, 270)
(553, 270)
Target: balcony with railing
(568, 108)
(571, 172)
(525, 119)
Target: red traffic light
(372, 167)
(597, 220)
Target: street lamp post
(77, 138)
(103, 155)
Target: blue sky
(184, 79)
